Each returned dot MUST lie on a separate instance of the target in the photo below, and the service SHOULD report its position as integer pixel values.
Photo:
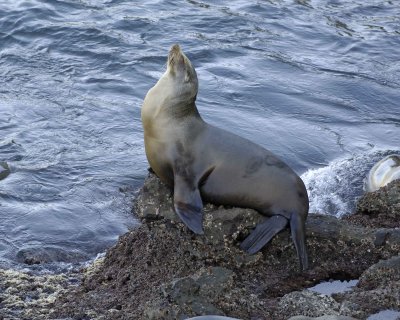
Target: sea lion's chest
(172, 147)
(168, 143)
(158, 150)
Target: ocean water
(315, 81)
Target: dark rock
(212, 317)
(377, 290)
(308, 303)
(161, 270)
(195, 293)
(40, 255)
(382, 274)
(331, 317)
(4, 170)
(380, 208)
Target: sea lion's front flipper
(263, 233)
(188, 204)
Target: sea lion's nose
(175, 48)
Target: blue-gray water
(317, 82)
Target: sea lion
(383, 172)
(204, 163)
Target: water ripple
(313, 81)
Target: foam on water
(334, 189)
(315, 83)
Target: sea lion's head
(175, 92)
(181, 74)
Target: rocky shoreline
(161, 270)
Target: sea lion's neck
(182, 110)
(157, 112)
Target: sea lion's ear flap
(188, 204)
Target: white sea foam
(335, 188)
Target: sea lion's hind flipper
(263, 233)
(298, 236)
(188, 205)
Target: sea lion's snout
(181, 69)
(175, 56)
(175, 48)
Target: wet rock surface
(4, 170)
(40, 255)
(379, 286)
(329, 317)
(24, 295)
(380, 208)
(161, 270)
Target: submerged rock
(4, 170)
(40, 255)
(161, 270)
